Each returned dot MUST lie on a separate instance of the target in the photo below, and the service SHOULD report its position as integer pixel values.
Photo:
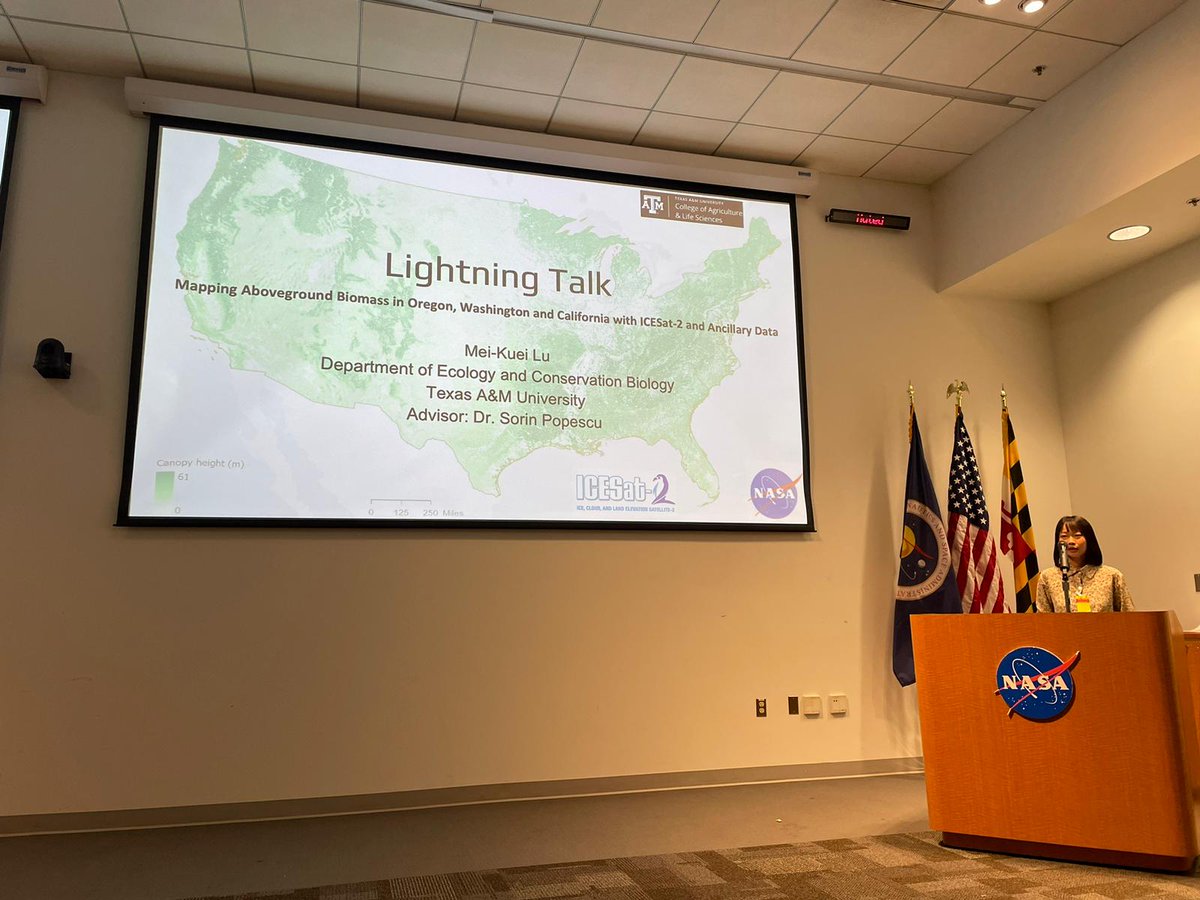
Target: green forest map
(272, 218)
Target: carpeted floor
(875, 868)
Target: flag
(1016, 527)
(972, 547)
(926, 581)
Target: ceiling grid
(903, 89)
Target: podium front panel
(1114, 772)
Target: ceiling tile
(192, 63)
(214, 22)
(965, 126)
(864, 34)
(628, 76)
(773, 145)
(73, 49)
(506, 109)
(908, 164)
(773, 27)
(416, 42)
(1116, 21)
(10, 47)
(956, 50)
(671, 132)
(886, 114)
(414, 95)
(677, 20)
(317, 29)
(94, 13)
(802, 102)
(842, 156)
(304, 79)
(1065, 59)
(596, 121)
(524, 60)
(578, 11)
(712, 89)
(1007, 11)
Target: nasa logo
(924, 555)
(1036, 684)
(774, 494)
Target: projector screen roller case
(334, 333)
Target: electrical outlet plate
(1197, 577)
(839, 704)
(760, 707)
(810, 705)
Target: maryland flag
(1016, 528)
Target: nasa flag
(926, 582)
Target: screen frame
(156, 125)
(13, 105)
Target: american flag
(972, 547)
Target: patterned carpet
(876, 868)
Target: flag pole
(912, 408)
(1004, 431)
(1005, 484)
(957, 388)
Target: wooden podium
(1109, 781)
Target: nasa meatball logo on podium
(1036, 684)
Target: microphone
(1065, 566)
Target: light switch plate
(810, 705)
(839, 704)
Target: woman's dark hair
(1092, 556)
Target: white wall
(1124, 123)
(144, 668)
(1128, 350)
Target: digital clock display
(869, 219)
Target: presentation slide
(336, 336)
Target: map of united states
(280, 221)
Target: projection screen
(9, 109)
(335, 333)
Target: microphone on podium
(1065, 566)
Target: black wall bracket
(52, 359)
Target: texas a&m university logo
(653, 205)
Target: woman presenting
(1092, 586)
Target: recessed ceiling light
(989, 2)
(1129, 232)
(1031, 6)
